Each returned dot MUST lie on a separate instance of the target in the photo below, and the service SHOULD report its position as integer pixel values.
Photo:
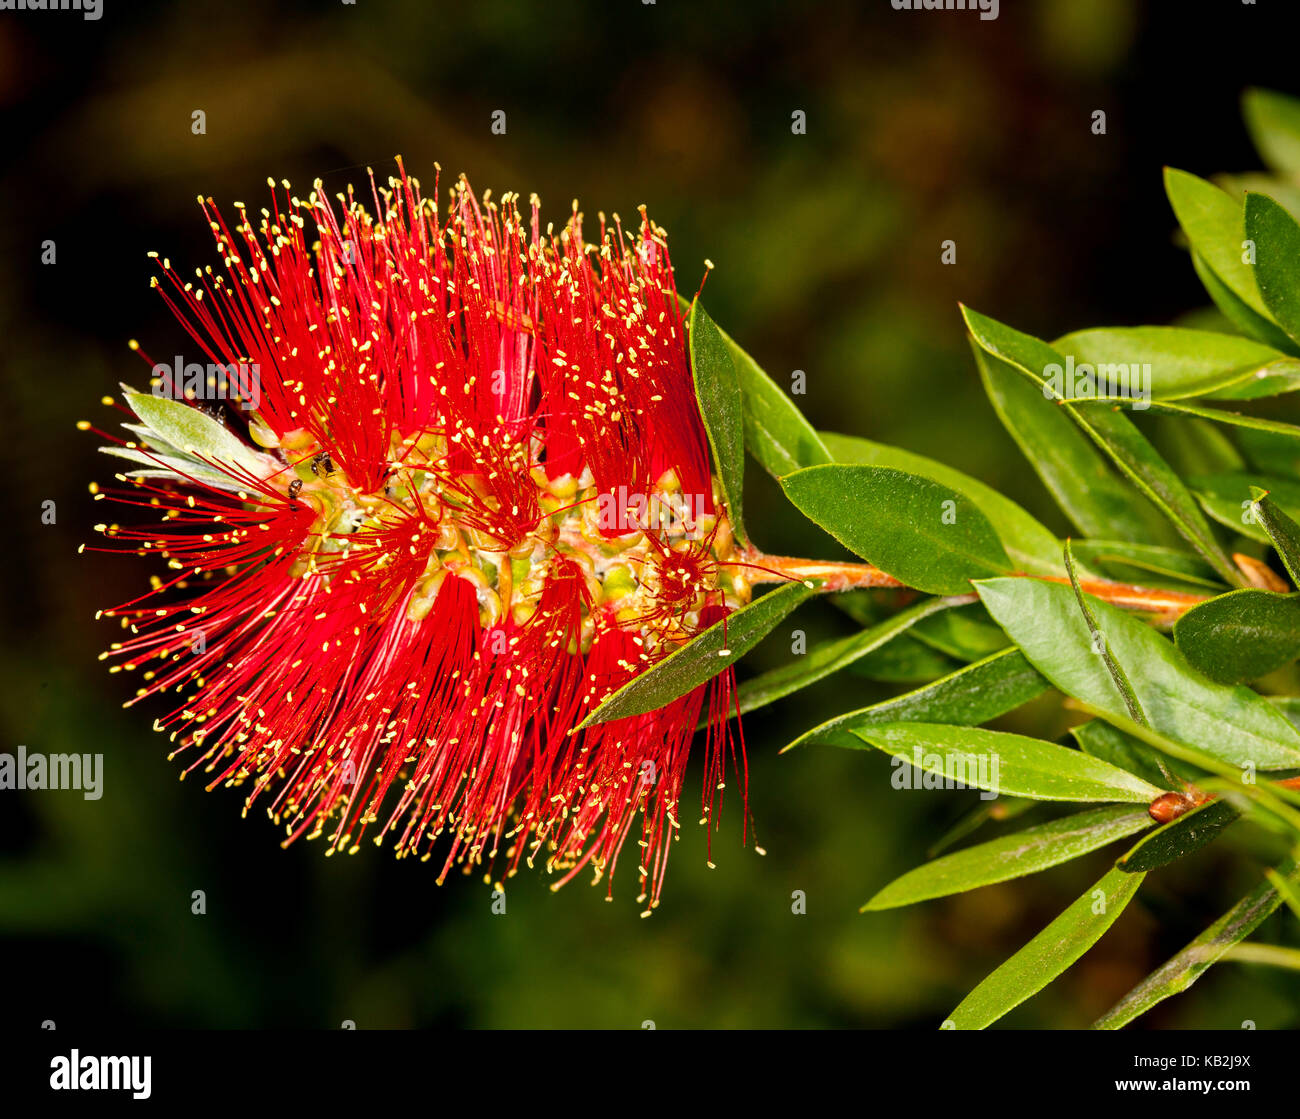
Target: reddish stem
(1166, 605)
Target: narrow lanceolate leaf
(1242, 315)
(1242, 635)
(1232, 724)
(905, 660)
(1274, 123)
(1180, 837)
(1266, 453)
(180, 467)
(1136, 563)
(1099, 644)
(1113, 432)
(830, 657)
(148, 438)
(1288, 890)
(1229, 498)
(1101, 740)
(1007, 763)
(1266, 955)
(1270, 797)
(1074, 470)
(1140, 460)
(1192, 962)
(970, 696)
(702, 658)
(1012, 856)
(1276, 238)
(1194, 444)
(1215, 225)
(1185, 410)
(1185, 362)
(1031, 545)
(776, 433)
(924, 534)
(1283, 532)
(198, 435)
(717, 388)
(1136, 457)
(1049, 954)
(1001, 810)
(967, 633)
(1289, 705)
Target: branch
(1167, 606)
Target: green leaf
(776, 433)
(1137, 458)
(926, 535)
(1111, 744)
(1266, 453)
(701, 658)
(1289, 705)
(717, 388)
(198, 435)
(1193, 445)
(1013, 856)
(1215, 225)
(1228, 498)
(1237, 785)
(1192, 962)
(1049, 954)
(1076, 473)
(904, 661)
(1280, 190)
(1287, 890)
(1134, 563)
(966, 632)
(1001, 810)
(1114, 433)
(1225, 416)
(176, 467)
(830, 657)
(1006, 763)
(150, 439)
(1268, 955)
(1198, 413)
(1274, 123)
(1283, 532)
(1242, 635)
(1182, 836)
(1242, 316)
(1186, 362)
(1028, 542)
(1233, 724)
(971, 695)
(1274, 380)
(1102, 647)
(1277, 259)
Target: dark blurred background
(921, 127)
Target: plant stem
(1167, 605)
(836, 576)
(1271, 954)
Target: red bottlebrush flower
(474, 500)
